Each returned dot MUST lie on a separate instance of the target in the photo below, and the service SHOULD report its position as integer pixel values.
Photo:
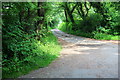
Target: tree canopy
(26, 29)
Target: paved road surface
(81, 58)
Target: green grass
(47, 50)
(99, 36)
(103, 36)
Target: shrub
(104, 36)
(62, 26)
(90, 23)
(20, 51)
(66, 26)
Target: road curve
(81, 58)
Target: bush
(23, 54)
(62, 26)
(104, 36)
(90, 23)
(65, 26)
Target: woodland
(27, 40)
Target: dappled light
(60, 39)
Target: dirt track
(81, 58)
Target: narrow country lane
(81, 58)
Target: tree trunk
(40, 13)
(66, 16)
(69, 13)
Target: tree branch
(74, 8)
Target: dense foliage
(27, 43)
(91, 19)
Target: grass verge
(99, 36)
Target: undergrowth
(93, 35)
(41, 55)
